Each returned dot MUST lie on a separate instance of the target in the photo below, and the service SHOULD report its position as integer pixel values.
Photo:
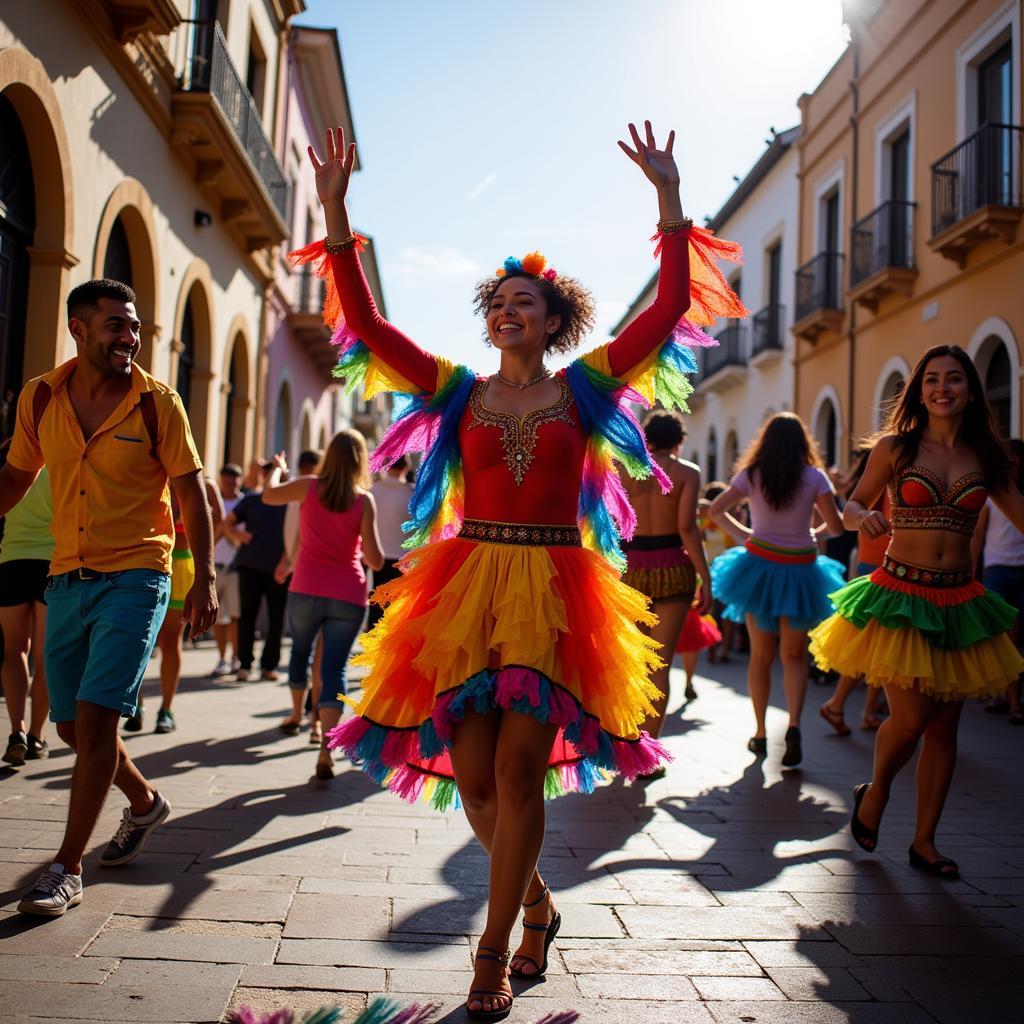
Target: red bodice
(920, 501)
(522, 470)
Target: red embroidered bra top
(920, 501)
(519, 469)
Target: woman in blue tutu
(776, 581)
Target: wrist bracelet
(337, 248)
(666, 226)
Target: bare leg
(1013, 696)
(895, 743)
(16, 623)
(869, 718)
(222, 633)
(520, 764)
(233, 633)
(101, 759)
(169, 642)
(671, 616)
(298, 704)
(935, 773)
(318, 657)
(845, 686)
(759, 672)
(329, 718)
(793, 654)
(690, 668)
(40, 695)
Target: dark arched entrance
(17, 227)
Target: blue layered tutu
(771, 587)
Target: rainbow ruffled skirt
(942, 632)
(473, 626)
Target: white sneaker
(55, 891)
(223, 668)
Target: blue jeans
(340, 622)
(99, 636)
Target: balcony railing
(728, 352)
(312, 290)
(767, 330)
(984, 170)
(209, 69)
(882, 239)
(819, 284)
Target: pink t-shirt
(330, 553)
(788, 527)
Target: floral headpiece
(535, 263)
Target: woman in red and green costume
(920, 625)
(509, 663)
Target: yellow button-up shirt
(111, 502)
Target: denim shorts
(99, 637)
(1007, 581)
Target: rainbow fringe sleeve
(604, 400)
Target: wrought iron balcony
(819, 303)
(218, 126)
(307, 325)
(976, 191)
(882, 253)
(767, 330)
(727, 361)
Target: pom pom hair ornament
(534, 263)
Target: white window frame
(996, 325)
(834, 180)
(896, 364)
(973, 51)
(891, 127)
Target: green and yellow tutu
(940, 631)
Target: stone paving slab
(729, 891)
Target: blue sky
(488, 130)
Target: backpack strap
(147, 406)
(40, 400)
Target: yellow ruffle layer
(463, 606)
(905, 658)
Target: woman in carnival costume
(665, 558)
(509, 660)
(776, 581)
(920, 625)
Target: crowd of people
(556, 557)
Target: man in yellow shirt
(111, 438)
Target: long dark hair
(909, 417)
(778, 455)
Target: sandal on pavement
(758, 745)
(794, 752)
(869, 723)
(835, 719)
(550, 930)
(315, 737)
(324, 770)
(480, 994)
(866, 838)
(941, 868)
(289, 727)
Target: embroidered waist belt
(520, 533)
(923, 577)
(785, 556)
(933, 517)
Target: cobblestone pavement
(729, 891)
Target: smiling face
(109, 338)
(945, 389)
(518, 319)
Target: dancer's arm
(859, 513)
(373, 552)
(360, 311)
(277, 493)
(978, 537)
(729, 498)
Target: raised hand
(658, 164)
(335, 170)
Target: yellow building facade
(910, 165)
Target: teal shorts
(99, 637)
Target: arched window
(997, 385)
(187, 355)
(283, 419)
(891, 391)
(117, 262)
(825, 430)
(712, 455)
(232, 403)
(732, 451)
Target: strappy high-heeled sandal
(550, 931)
(489, 953)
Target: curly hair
(565, 297)
(663, 429)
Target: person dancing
(508, 660)
(921, 626)
(666, 557)
(777, 581)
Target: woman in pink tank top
(337, 534)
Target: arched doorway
(998, 381)
(17, 228)
(236, 403)
(190, 354)
(306, 432)
(186, 355)
(117, 261)
(732, 452)
(712, 455)
(826, 429)
(891, 391)
(283, 418)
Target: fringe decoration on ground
(380, 1011)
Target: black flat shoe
(758, 745)
(794, 750)
(866, 838)
(550, 930)
(941, 868)
(487, 953)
